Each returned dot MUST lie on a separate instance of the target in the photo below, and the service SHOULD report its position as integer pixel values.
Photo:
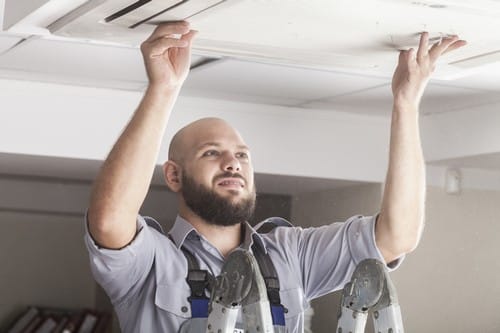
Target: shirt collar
(182, 229)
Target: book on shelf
(61, 324)
(47, 325)
(103, 324)
(72, 323)
(24, 320)
(47, 320)
(88, 323)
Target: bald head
(190, 137)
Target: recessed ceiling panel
(263, 83)
(75, 63)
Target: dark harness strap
(198, 280)
(268, 270)
(272, 284)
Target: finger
(189, 37)
(458, 44)
(186, 51)
(402, 57)
(405, 58)
(169, 28)
(160, 46)
(423, 46)
(439, 48)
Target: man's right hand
(167, 54)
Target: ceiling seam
(340, 95)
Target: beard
(214, 208)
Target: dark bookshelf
(36, 319)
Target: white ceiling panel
(283, 85)
(75, 63)
(437, 98)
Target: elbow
(397, 250)
(406, 247)
(396, 240)
(408, 242)
(97, 223)
(108, 232)
(98, 218)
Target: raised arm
(401, 218)
(122, 184)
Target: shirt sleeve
(121, 272)
(329, 254)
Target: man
(209, 167)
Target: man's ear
(172, 174)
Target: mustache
(229, 174)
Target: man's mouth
(231, 182)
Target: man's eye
(242, 155)
(211, 153)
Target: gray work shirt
(146, 280)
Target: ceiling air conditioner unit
(123, 22)
(357, 36)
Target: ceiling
(312, 55)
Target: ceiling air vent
(132, 15)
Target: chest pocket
(172, 298)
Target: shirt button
(184, 309)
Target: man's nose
(231, 163)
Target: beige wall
(451, 283)
(318, 208)
(42, 262)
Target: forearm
(402, 214)
(123, 182)
(401, 218)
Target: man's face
(217, 177)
